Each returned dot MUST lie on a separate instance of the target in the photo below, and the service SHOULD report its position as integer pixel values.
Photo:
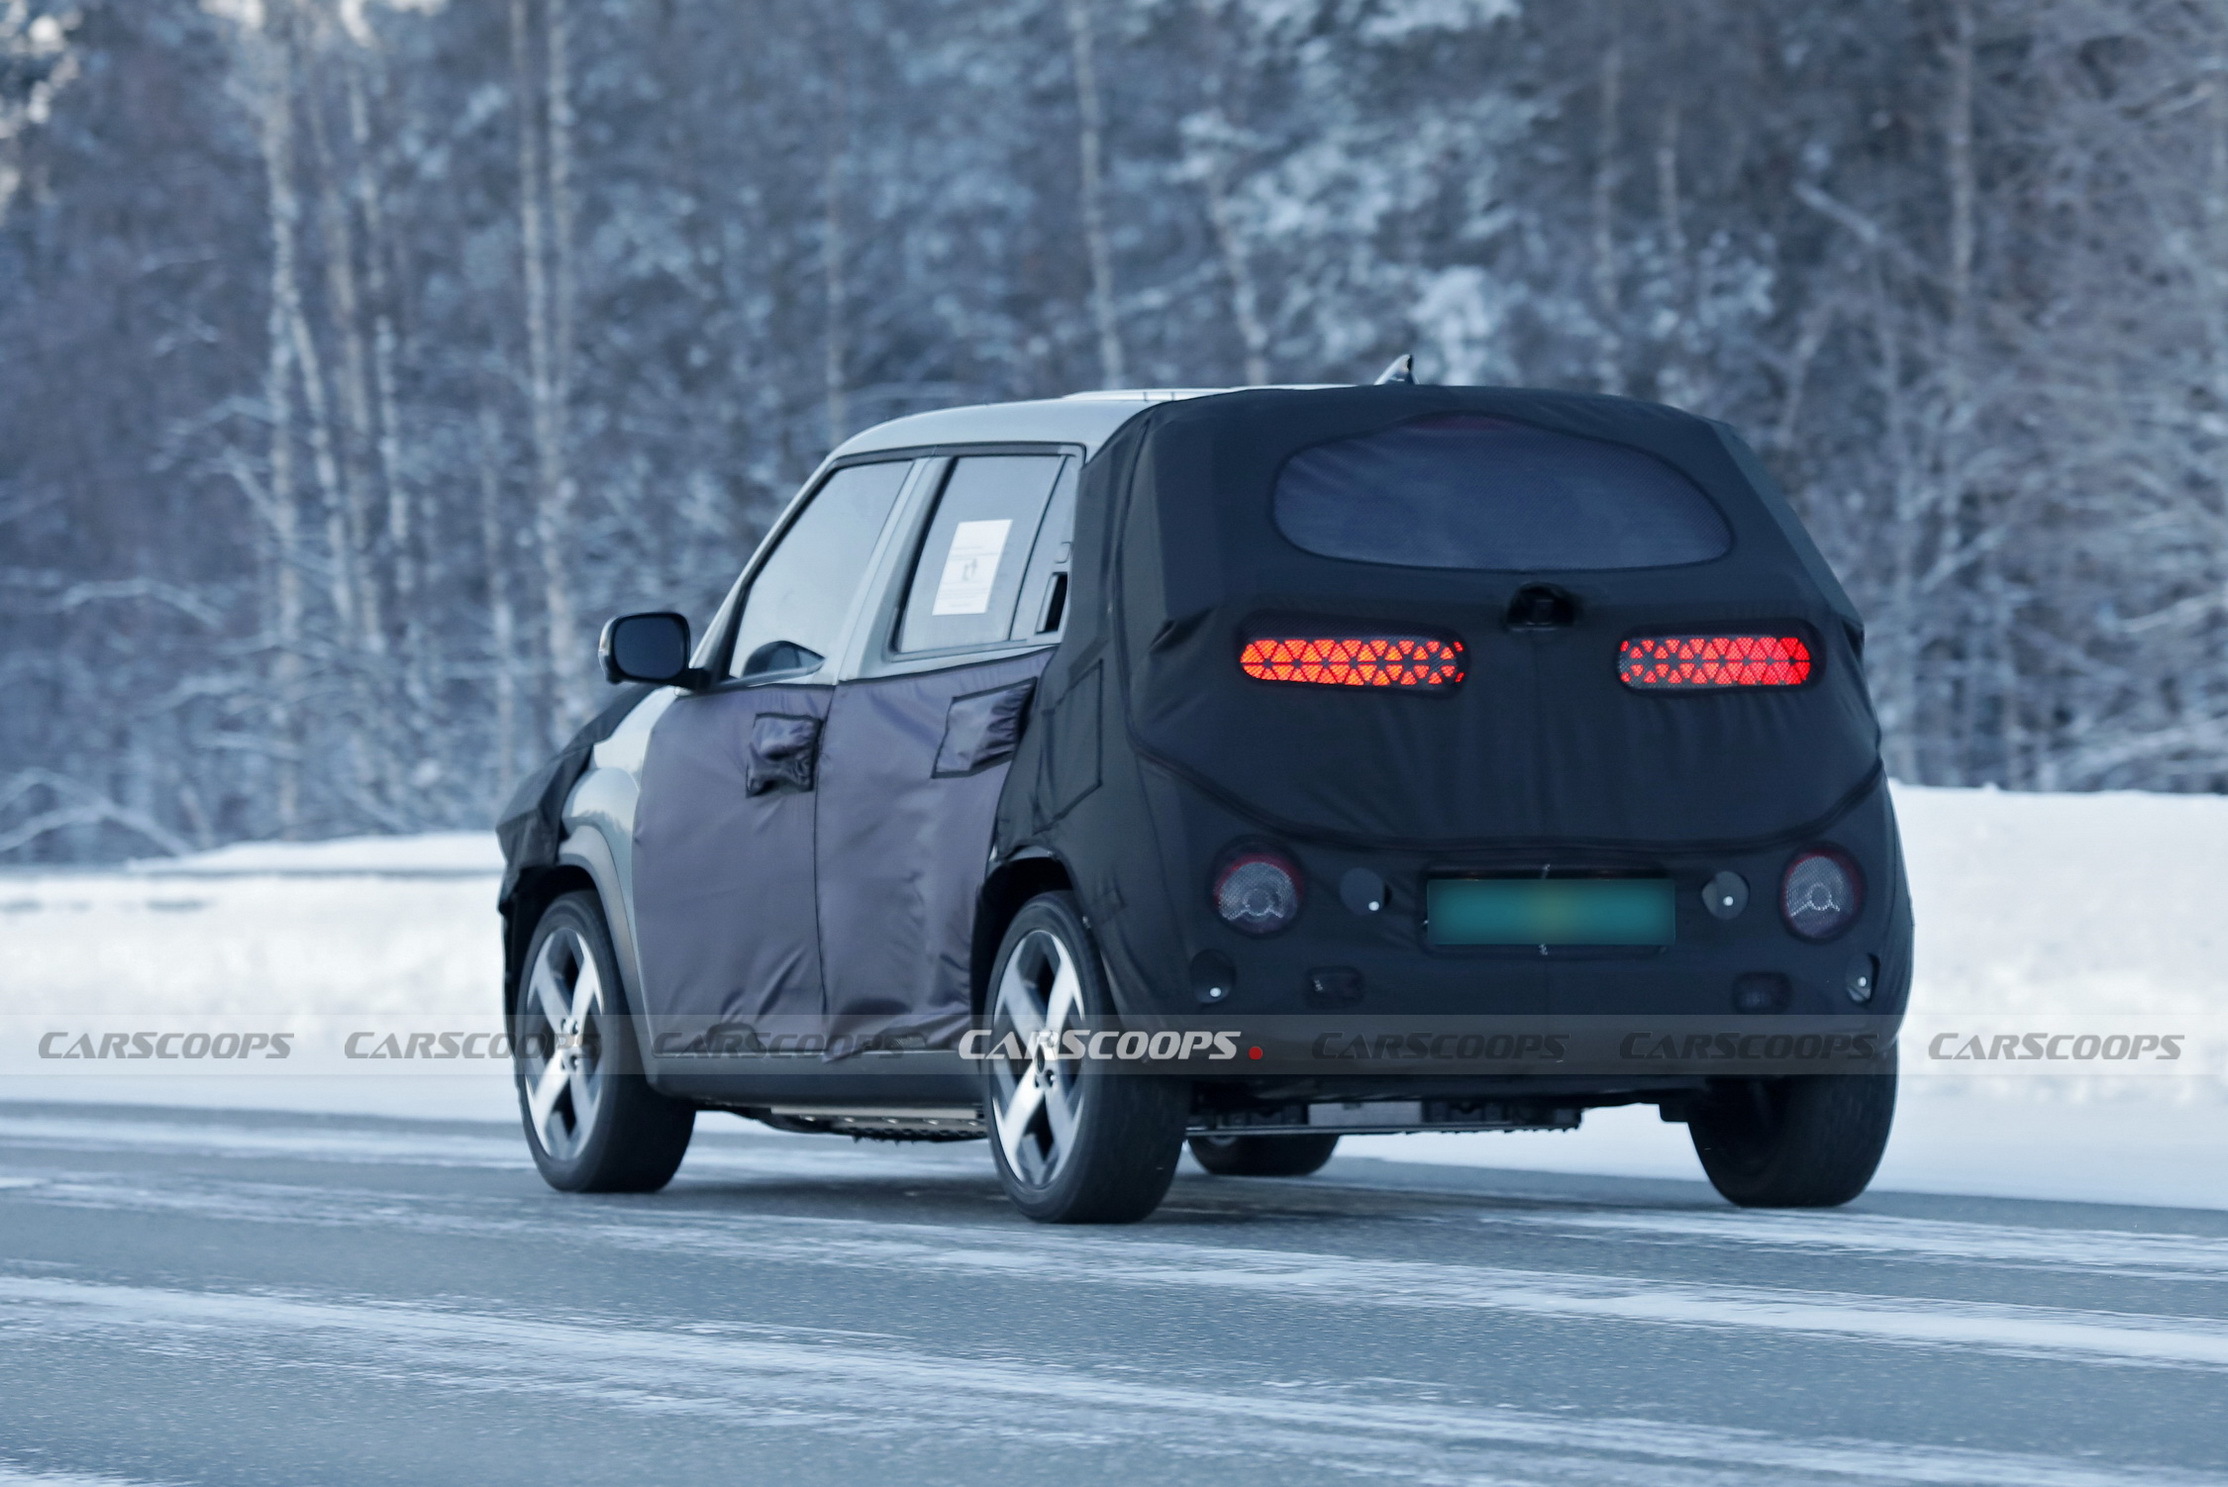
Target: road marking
(2120, 1252)
(753, 1381)
(1315, 1279)
(20, 1476)
(768, 1155)
(212, 1138)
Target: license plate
(1550, 911)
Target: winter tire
(1263, 1156)
(592, 1121)
(1076, 1141)
(1810, 1141)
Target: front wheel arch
(522, 915)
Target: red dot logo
(1254, 1052)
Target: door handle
(983, 729)
(782, 750)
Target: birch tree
(362, 354)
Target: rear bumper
(1341, 960)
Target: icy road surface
(189, 1297)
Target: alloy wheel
(560, 1044)
(1037, 1098)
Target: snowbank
(435, 854)
(2068, 904)
(2045, 912)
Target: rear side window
(968, 577)
(1467, 491)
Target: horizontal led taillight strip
(1410, 663)
(1662, 663)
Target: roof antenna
(1402, 370)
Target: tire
(1076, 1141)
(1263, 1156)
(592, 1121)
(1808, 1141)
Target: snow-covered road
(231, 1298)
(251, 1271)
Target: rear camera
(1541, 606)
(1257, 892)
(1822, 893)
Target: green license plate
(1550, 911)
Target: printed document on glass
(971, 567)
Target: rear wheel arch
(1020, 878)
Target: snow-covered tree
(358, 356)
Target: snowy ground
(2073, 914)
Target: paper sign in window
(971, 567)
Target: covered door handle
(782, 749)
(983, 729)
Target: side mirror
(648, 648)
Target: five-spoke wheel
(592, 1121)
(1037, 1098)
(1076, 1139)
(560, 1042)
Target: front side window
(969, 574)
(1468, 491)
(794, 615)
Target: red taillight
(1411, 663)
(1657, 663)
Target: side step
(1355, 1117)
(895, 1123)
(1347, 1117)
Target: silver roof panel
(1088, 419)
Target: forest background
(358, 357)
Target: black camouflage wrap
(909, 788)
(808, 857)
(1151, 753)
(531, 827)
(725, 921)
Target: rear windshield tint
(1467, 491)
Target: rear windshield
(1468, 491)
